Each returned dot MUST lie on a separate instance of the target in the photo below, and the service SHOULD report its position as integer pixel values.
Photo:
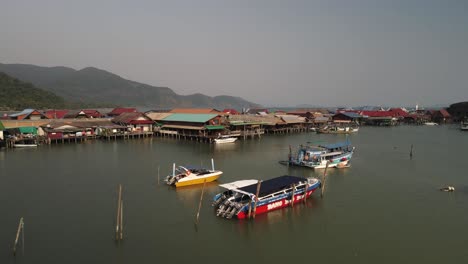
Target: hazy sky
(269, 52)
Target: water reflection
(189, 195)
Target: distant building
(231, 111)
(195, 111)
(30, 114)
(119, 110)
(85, 113)
(55, 114)
(135, 121)
(441, 116)
(346, 117)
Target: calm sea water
(386, 208)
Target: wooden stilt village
(32, 127)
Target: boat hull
(192, 180)
(225, 140)
(275, 205)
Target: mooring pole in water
(119, 204)
(292, 195)
(20, 227)
(158, 174)
(121, 219)
(305, 191)
(200, 203)
(411, 152)
(256, 198)
(250, 208)
(324, 179)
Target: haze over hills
(96, 86)
(18, 95)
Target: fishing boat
(336, 155)
(242, 198)
(464, 124)
(190, 175)
(338, 130)
(225, 139)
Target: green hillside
(95, 86)
(18, 95)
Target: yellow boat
(188, 175)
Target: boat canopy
(193, 167)
(336, 145)
(238, 184)
(273, 185)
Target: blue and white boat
(318, 156)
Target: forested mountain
(18, 95)
(92, 85)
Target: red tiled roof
(119, 110)
(231, 111)
(399, 112)
(376, 113)
(56, 113)
(444, 113)
(128, 118)
(92, 113)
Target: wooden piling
(119, 204)
(20, 227)
(250, 208)
(292, 195)
(256, 198)
(305, 191)
(324, 179)
(200, 203)
(158, 174)
(121, 219)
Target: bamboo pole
(250, 208)
(20, 226)
(256, 198)
(292, 195)
(158, 174)
(324, 179)
(411, 152)
(305, 191)
(117, 227)
(200, 203)
(121, 219)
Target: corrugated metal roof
(184, 127)
(321, 118)
(195, 110)
(292, 119)
(351, 114)
(194, 118)
(24, 112)
(158, 116)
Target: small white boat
(190, 175)
(25, 145)
(431, 124)
(225, 139)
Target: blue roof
(336, 145)
(24, 112)
(351, 114)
